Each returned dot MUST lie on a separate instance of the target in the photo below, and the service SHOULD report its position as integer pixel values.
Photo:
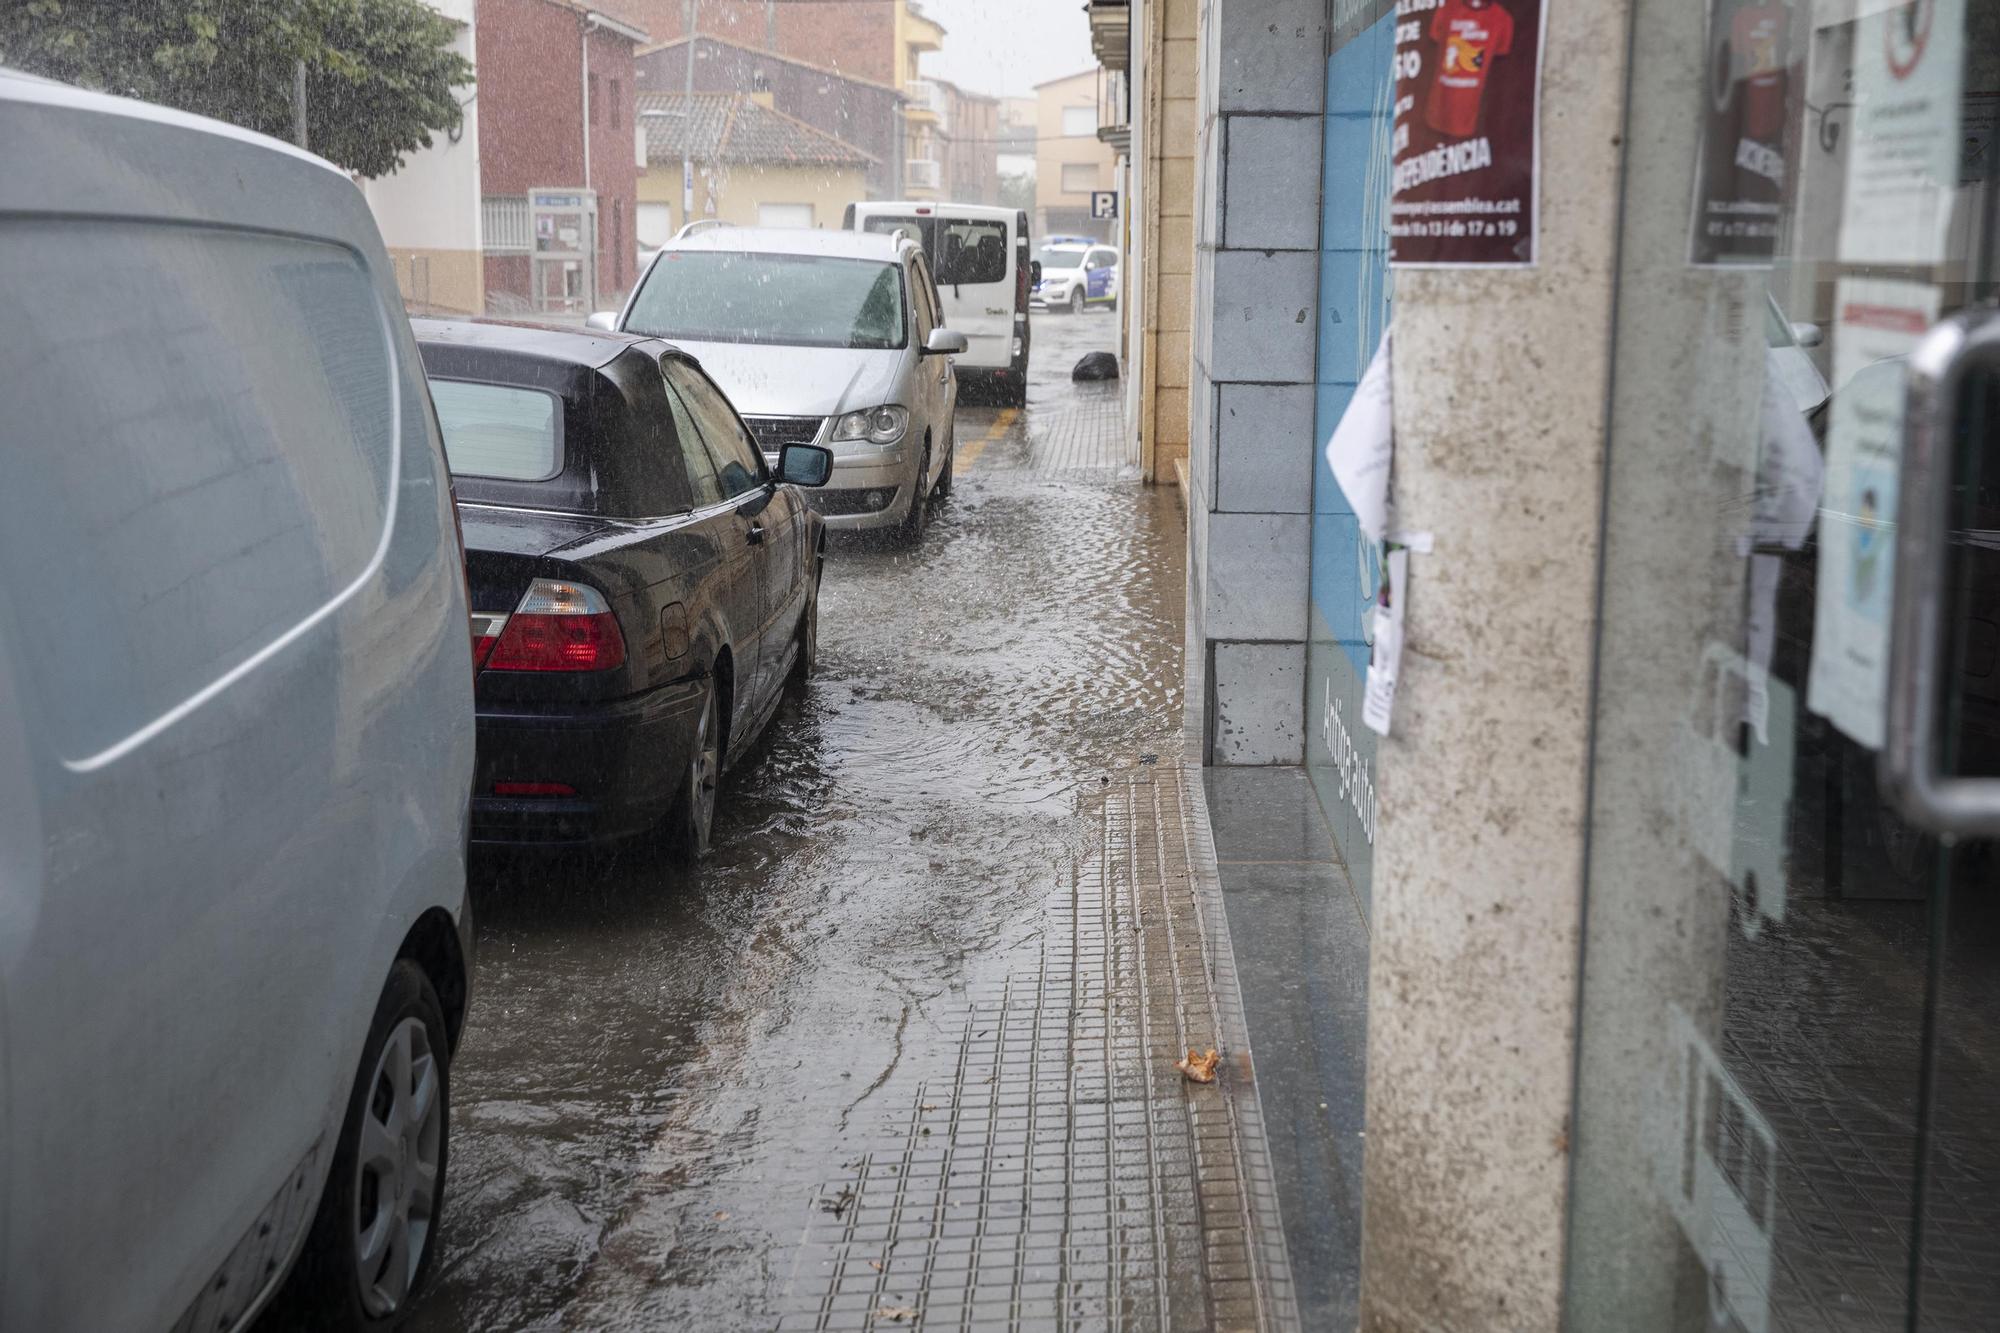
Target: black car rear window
(500, 431)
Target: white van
(979, 257)
(236, 736)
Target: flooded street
(670, 1076)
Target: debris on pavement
(896, 1314)
(1199, 1068)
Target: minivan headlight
(882, 425)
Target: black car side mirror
(804, 465)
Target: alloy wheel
(1076, 301)
(396, 1166)
(705, 770)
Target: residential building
(969, 138)
(860, 39)
(1071, 162)
(1146, 114)
(1665, 1013)
(558, 155)
(857, 111)
(874, 41)
(753, 165)
(926, 106)
(428, 208)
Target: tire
(1017, 393)
(348, 1277)
(1076, 301)
(944, 482)
(911, 530)
(691, 820)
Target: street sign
(1104, 203)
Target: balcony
(924, 101)
(1114, 109)
(921, 173)
(1111, 32)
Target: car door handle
(755, 534)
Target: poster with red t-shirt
(1465, 181)
(1739, 185)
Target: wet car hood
(763, 379)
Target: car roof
(795, 241)
(940, 209)
(589, 348)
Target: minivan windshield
(795, 300)
(1063, 257)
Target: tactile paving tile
(1055, 1170)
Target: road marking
(970, 453)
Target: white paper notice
(1379, 698)
(1903, 157)
(1876, 323)
(1360, 448)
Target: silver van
(979, 257)
(235, 735)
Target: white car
(834, 338)
(235, 736)
(1076, 275)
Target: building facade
(558, 155)
(1670, 982)
(428, 209)
(753, 165)
(861, 113)
(1071, 162)
(855, 38)
(970, 142)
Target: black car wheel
(912, 530)
(372, 1240)
(1016, 394)
(692, 819)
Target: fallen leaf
(875, 1264)
(1199, 1068)
(722, 1217)
(895, 1314)
(928, 1106)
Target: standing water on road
(671, 1075)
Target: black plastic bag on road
(1096, 366)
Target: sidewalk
(1054, 1169)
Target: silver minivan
(834, 338)
(235, 736)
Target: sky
(1006, 47)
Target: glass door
(1788, 1068)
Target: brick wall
(857, 38)
(531, 126)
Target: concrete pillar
(1260, 70)
(1500, 392)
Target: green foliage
(381, 77)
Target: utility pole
(687, 124)
(299, 103)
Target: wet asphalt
(664, 1066)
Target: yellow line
(970, 453)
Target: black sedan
(643, 585)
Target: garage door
(784, 215)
